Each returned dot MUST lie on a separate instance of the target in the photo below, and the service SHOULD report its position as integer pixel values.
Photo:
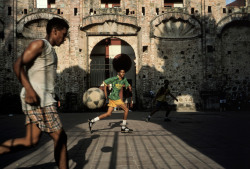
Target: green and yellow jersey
(162, 94)
(117, 84)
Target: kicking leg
(102, 116)
(32, 137)
(107, 114)
(151, 114)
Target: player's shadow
(46, 165)
(78, 152)
(111, 126)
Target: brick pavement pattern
(207, 140)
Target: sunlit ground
(190, 140)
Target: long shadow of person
(41, 166)
(78, 152)
(111, 124)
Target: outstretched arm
(29, 55)
(173, 96)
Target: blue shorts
(160, 104)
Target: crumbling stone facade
(202, 47)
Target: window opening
(173, 3)
(91, 11)
(145, 48)
(75, 11)
(209, 9)
(9, 10)
(192, 10)
(210, 49)
(110, 3)
(143, 11)
(157, 11)
(224, 10)
(127, 11)
(51, 3)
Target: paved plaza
(192, 140)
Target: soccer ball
(93, 98)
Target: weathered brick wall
(197, 52)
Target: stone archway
(33, 27)
(234, 63)
(175, 25)
(107, 57)
(231, 18)
(177, 50)
(32, 17)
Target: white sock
(124, 122)
(149, 116)
(95, 119)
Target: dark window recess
(209, 10)
(192, 10)
(25, 11)
(90, 11)
(230, 11)
(210, 49)
(229, 52)
(127, 11)
(9, 10)
(51, 2)
(157, 11)
(224, 10)
(145, 48)
(75, 11)
(2, 35)
(143, 11)
(58, 11)
(9, 48)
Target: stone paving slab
(207, 140)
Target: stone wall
(201, 52)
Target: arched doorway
(107, 57)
